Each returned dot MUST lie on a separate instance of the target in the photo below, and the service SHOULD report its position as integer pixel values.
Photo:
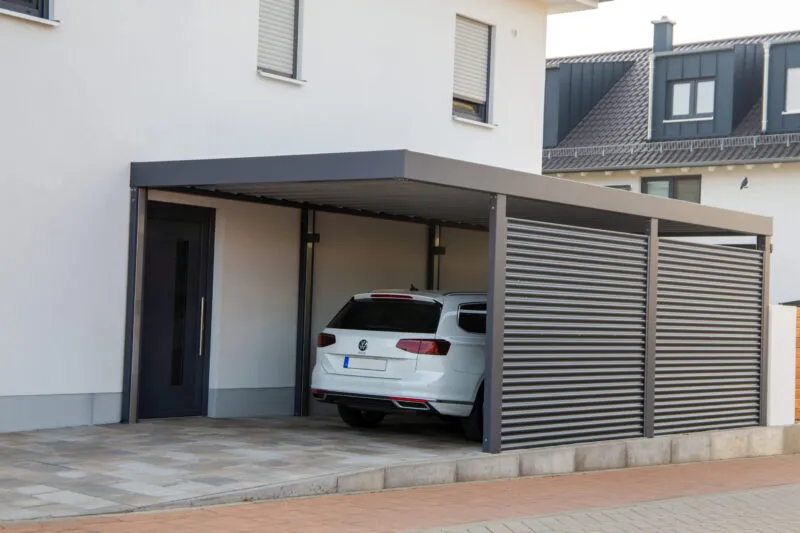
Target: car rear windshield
(407, 316)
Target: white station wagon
(395, 351)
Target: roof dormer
(782, 87)
(697, 93)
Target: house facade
(99, 85)
(716, 123)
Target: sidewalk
(453, 505)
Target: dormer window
(692, 99)
(793, 91)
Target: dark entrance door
(173, 375)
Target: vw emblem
(362, 346)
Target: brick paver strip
(451, 505)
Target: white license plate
(363, 363)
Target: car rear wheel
(360, 419)
(473, 424)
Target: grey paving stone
(772, 509)
(156, 463)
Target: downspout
(650, 98)
(765, 96)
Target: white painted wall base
(781, 367)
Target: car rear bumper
(393, 404)
(445, 393)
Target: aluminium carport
(601, 323)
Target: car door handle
(202, 325)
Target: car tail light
(424, 346)
(325, 339)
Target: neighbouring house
(713, 122)
(92, 88)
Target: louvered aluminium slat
(277, 36)
(574, 335)
(471, 76)
(708, 337)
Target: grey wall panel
(574, 335)
(552, 99)
(781, 58)
(571, 92)
(748, 79)
(708, 337)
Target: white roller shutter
(472, 60)
(277, 42)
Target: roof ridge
(763, 36)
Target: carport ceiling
(418, 186)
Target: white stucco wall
(143, 80)
(771, 191)
(782, 364)
(465, 265)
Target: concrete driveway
(103, 469)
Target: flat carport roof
(407, 185)
(416, 186)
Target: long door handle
(202, 325)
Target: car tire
(360, 419)
(473, 424)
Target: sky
(626, 24)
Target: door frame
(141, 208)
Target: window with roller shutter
(277, 37)
(35, 8)
(472, 69)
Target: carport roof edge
(393, 165)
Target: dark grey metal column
(133, 309)
(495, 326)
(650, 330)
(435, 253)
(765, 245)
(302, 379)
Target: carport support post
(765, 245)
(651, 309)
(302, 377)
(435, 253)
(495, 326)
(133, 306)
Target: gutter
(765, 94)
(694, 164)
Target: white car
(395, 351)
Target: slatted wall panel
(574, 335)
(708, 347)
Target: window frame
(672, 180)
(295, 75)
(482, 112)
(461, 311)
(693, 94)
(41, 9)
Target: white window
(705, 98)
(793, 90)
(472, 69)
(277, 37)
(681, 99)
